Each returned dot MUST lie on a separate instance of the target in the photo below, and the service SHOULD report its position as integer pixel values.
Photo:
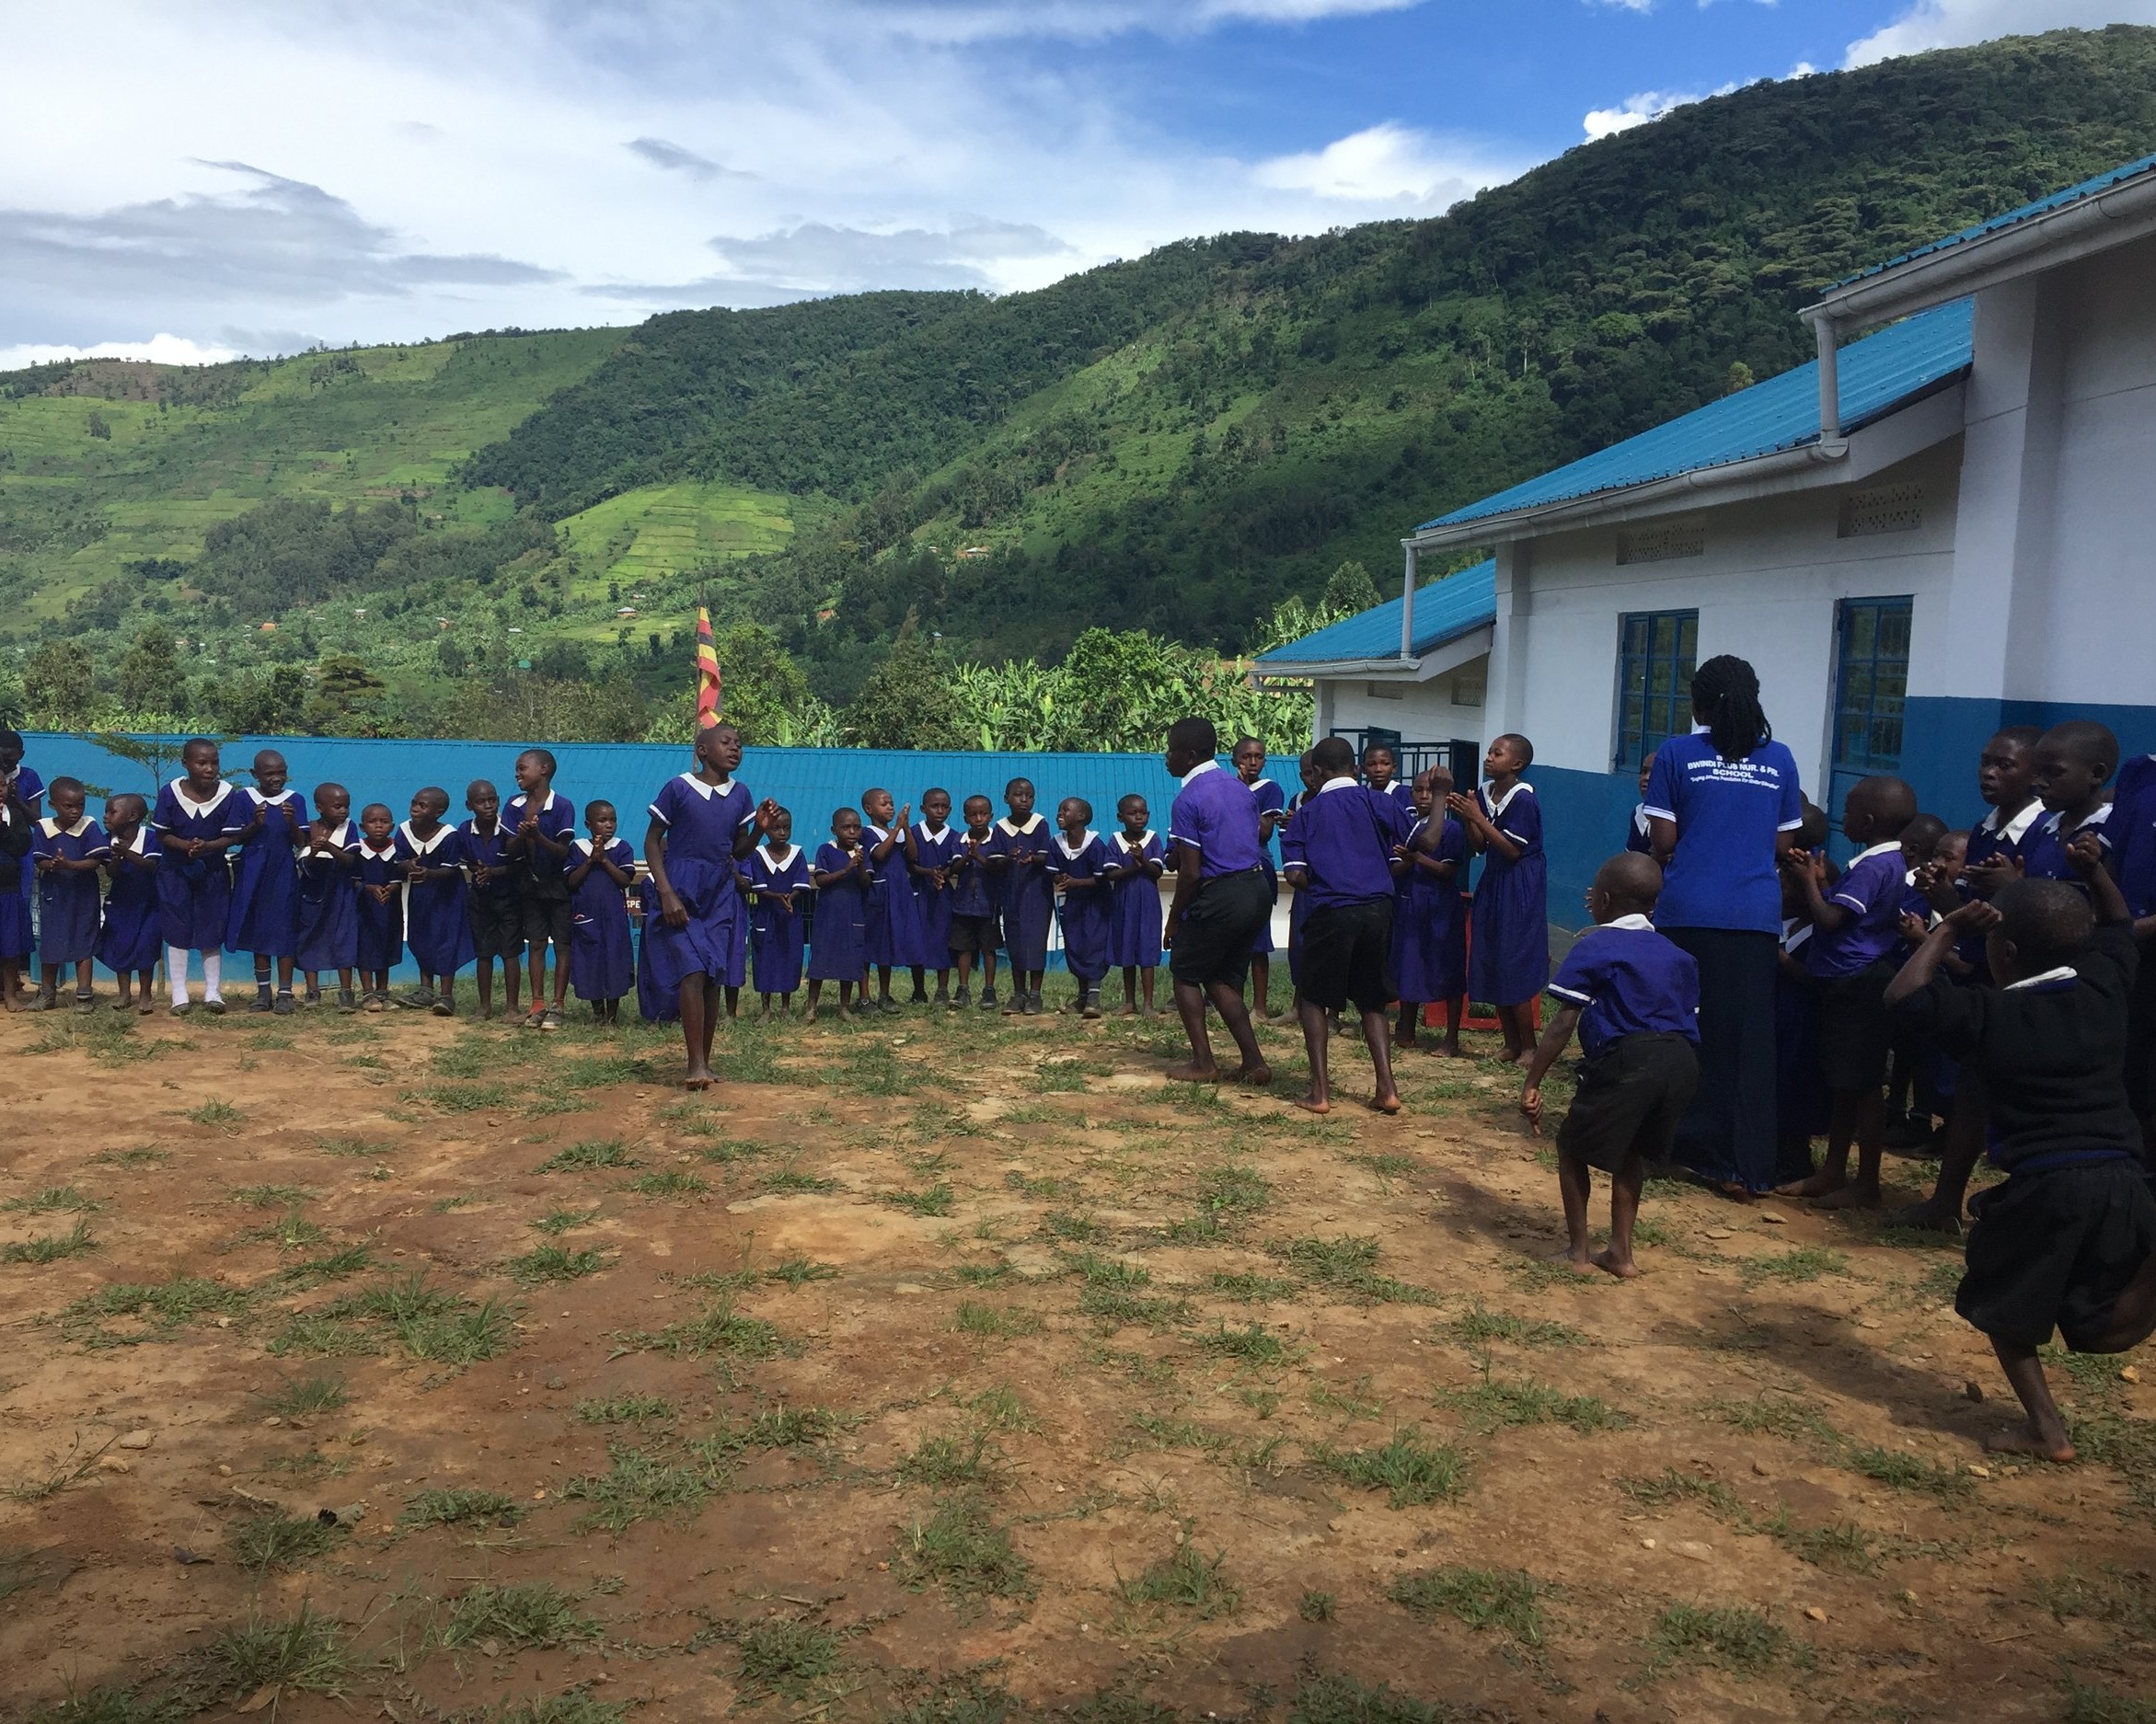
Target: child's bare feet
(1452, 1050)
(1384, 1104)
(1856, 1194)
(1311, 1104)
(696, 1080)
(1191, 1071)
(809, 1016)
(2027, 1439)
(1258, 1075)
(1818, 1185)
(1930, 1216)
(1573, 1257)
(1610, 1263)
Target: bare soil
(954, 1369)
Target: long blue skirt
(1085, 934)
(265, 899)
(838, 947)
(1133, 923)
(1508, 963)
(381, 933)
(194, 902)
(68, 915)
(436, 927)
(776, 948)
(328, 924)
(1029, 908)
(601, 966)
(1429, 941)
(704, 947)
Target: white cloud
(1636, 110)
(1628, 6)
(1384, 164)
(160, 350)
(1957, 23)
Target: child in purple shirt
(1077, 864)
(2073, 772)
(1136, 862)
(1018, 855)
(70, 848)
(129, 945)
(1853, 953)
(975, 927)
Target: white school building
(1938, 528)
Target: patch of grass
(314, 1334)
(274, 1540)
(1477, 1327)
(1491, 1404)
(639, 1486)
(538, 1614)
(1072, 1226)
(270, 1196)
(788, 1179)
(961, 1548)
(1347, 1265)
(1407, 1469)
(291, 1232)
(625, 1409)
(1336, 1698)
(1844, 1546)
(335, 1266)
(574, 1707)
(605, 1151)
(557, 1222)
(1186, 1581)
(141, 1157)
(783, 1655)
(51, 1248)
(729, 1150)
(1907, 1472)
(996, 1322)
(54, 1200)
(1353, 1402)
(1669, 1487)
(1253, 1345)
(1251, 1290)
(1732, 1638)
(305, 1653)
(462, 1097)
(798, 1271)
(163, 1306)
(430, 1322)
(595, 1071)
(555, 1263)
(445, 1205)
(1777, 1416)
(2087, 1705)
(718, 1328)
(1316, 1606)
(2111, 1439)
(60, 1471)
(1000, 1408)
(938, 1200)
(1799, 1263)
(459, 1505)
(789, 1428)
(1044, 1187)
(304, 1396)
(872, 1068)
(966, 1698)
(1505, 1599)
(350, 1148)
(220, 1114)
(671, 1182)
(940, 1461)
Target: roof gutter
(1578, 511)
(2124, 213)
(1264, 673)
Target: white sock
(175, 974)
(212, 975)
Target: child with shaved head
(1634, 997)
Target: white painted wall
(1766, 589)
(1423, 712)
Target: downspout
(1829, 380)
(1407, 608)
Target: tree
(149, 676)
(59, 683)
(1350, 590)
(345, 691)
(908, 700)
(522, 707)
(274, 703)
(452, 657)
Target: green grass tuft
(1253, 1345)
(557, 1222)
(625, 1409)
(938, 1200)
(1732, 1638)
(540, 1615)
(305, 1396)
(1336, 1698)
(1186, 1581)
(215, 1113)
(1483, 1598)
(940, 1461)
(1477, 1327)
(1407, 1469)
(961, 1548)
(1491, 1405)
(783, 1655)
(1799, 1263)
(307, 1653)
(270, 1196)
(996, 1323)
(53, 1200)
(275, 1540)
(671, 1182)
(605, 1152)
(459, 1505)
(555, 1263)
(51, 1248)
(1251, 1290)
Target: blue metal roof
(2013, 218)
(1878, 375)
(1445, 610)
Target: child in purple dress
(265, 886)
(1249, 759)
(16, 825)
(198, 818)
(841, 876)
(975, 922)
(328, 897)
(888, 934)
(931, 845)
(1429, 935)
(1136, 862)
(493, 919)
(432, 857)
(703, 824)
(1018, 855)
(381, 905)
(70, 848)
(129, 944)
(1508, 958)
(777, 878)
(1078, 869)
(600, 871)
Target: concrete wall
(1427, 711)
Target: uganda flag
(707, 707)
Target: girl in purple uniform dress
(840, 942)
(328, 897)
(703, 824)
(381, 905)
(1136, 862)
(600, 871)
(265, 887)
(1429, 935)
(1077, 864)
(198, 818)
(70, 848)
(129, 944)
(777, 873)
(1508, 960)
(889, 934)
(932, 845)
(1018, 854)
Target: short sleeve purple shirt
(1216, 815)
(1872, 891)
(701, 820)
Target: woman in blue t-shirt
(1723, 805)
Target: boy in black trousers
(2069, 1241)
(1634, 996)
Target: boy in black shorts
(541, 827)
(490, 905)
(1634, 996)
(974, 932)
(2069, 1241)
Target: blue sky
(345, 170)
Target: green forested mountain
(1176, 443)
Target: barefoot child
(70, 848)
(1429, 935)
(541, 827)
(17, 824)
(1341, 845)
(128, 945)
(931, 845)
(1219, 900)
(976, 930)
(1249, 760)
(381, 905)
(1634, 996)
(704, 823)
(198, 818)
(329, 896)
(840, 876)
(600, 871)
(493, 922)
(1018, 855)
(1856, 927)
(2069, 1241)
(777, 877)
(1135, 867)
(890, 907)
(439, 923)
(1508, 962)
(265, 881)
(1078, 869)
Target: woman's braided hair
(1726, 694)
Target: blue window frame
(1871, 690)
(1654, 658)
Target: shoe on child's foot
(1032, 1004)
(285, 1005)
(444, 1008)
(85, 1001)
(1089, 1006)
(378, 1002)
(988, 997)
(958, 1001)
(550, 1019)
(1016, 1004)
(347, 1002)
(262, 1001)
(920, 996)
(418, 1000)
(214, 1006)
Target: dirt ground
(956, 1369)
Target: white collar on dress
(778, 860)
(1878, 849)
(388, 847)
(53, 829)
(1202, 767)
(1795, 931)
(1032, 826)
(1344, 782)
(279, 800)
(2064, 972)
(179, 795)
(140, 844)
(1499, 804)
(1634, 923)
(426, 847)
(546, 807)
(921, 826)
(1640, 822)
(2015, 829)
(2055, 825)
(1089, 837)
(342, 838)
(1146, 838)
